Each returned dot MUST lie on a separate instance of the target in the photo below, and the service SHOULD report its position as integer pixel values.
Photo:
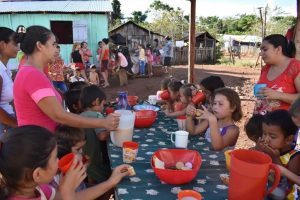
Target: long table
(145, 185)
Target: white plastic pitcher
(124, 131)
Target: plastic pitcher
(249, 171)
(124, 131)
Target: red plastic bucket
(249, 171)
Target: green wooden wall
(97, 27)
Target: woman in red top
(104, 57)
(281, 74)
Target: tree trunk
(297, 31)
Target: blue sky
(221, 8)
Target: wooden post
(297, 31)
(192, 42)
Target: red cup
(198, 97)
(189, 194)
(65, 162)
(165, 95)
(109, 110)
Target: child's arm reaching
(290, 175)
(218, 141)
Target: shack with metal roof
(71, 21)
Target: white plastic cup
(181, 139)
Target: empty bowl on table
(144, 118)
(170, 157)
(145, 107)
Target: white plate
(145, 107)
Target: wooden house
(130, 32)
(205, 50)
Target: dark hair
(253, 128)
(79, 85)
(89, 94)
(212, 83)
(99, 43)
(58, 47)
(22, 150)
(33, 35)
(282, 119)
(6, 34)
(72, 100)
(167, 38)
(82, 43)
(67, 137)
(187, 90)
(294, 109)
(165, 82)
(21, 32)
(105, 40)
(174, 85)
(288, 47)
(234, 100)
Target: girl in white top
(8, 49)
(219, 125)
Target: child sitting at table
(28, 176)
(219, 125)
(72, 97)
(174, 107)
(253, 128)
(92, 101)
(163, 86)
(277, 141)
(208, 85)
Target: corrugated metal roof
(56, 6)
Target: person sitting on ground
(77, 76)
(218, 125)
(93, 76)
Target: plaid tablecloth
(145, 185)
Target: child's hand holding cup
(257, 90)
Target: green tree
(138, 16)
(116, 15)
(159, 6)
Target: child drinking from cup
(219, 124)
(163, 87)
(92, 102)
(174, 107)
(277, 141)
(27, 176)
(253, 128)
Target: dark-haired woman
(281, 74)
(8, 49)
(36, 100)
(104, 57)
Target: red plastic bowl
(144, 118)
(170, 157)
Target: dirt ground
(241, 79)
